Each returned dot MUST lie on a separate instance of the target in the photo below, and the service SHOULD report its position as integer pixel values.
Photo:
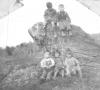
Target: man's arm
(67, 16)
(77, 63)
(46, 13)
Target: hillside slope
(25, 57)
(96, 37)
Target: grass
(84, 49)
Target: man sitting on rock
(46, 64)
(63, 19)
(72, 65)
(50, 15)
(59, 67)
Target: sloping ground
(96, 37)
(22, 75)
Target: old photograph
(49, 44)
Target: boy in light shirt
(46, 64)
(72, 65)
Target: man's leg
(43, 74)
(62, 73)
(79, 71)
(56, 71)
(67, 71)
(70, 32)
(49, 75)
(74, 70)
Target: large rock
(84, 49)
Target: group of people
(55, 66)
(52, 19)
(60, 18)
(54, 63)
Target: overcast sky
(14, 28)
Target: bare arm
(67, 16)
(76, 62)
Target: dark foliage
(10, 50)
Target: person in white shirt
(46, 64)
(72, 65)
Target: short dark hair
(69, 51)
(61, 5)
(49, 5)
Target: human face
(68, 55)
(57, 54)
(46, 55)
(61, 8)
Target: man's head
(69, 53)
(61, 7)
(56, 53)
(49, 5)
(46, 54)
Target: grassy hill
(85, 50)
(96, 37)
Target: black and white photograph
(49, 44)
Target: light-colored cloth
(71, 65)
(47, 63)
(64, 24)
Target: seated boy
(63, 19)
(46, 64)
(72, 64)
(50, 14)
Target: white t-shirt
(71, 62)
(47, 63)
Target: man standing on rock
(63, 19)
(46, 64)
(72, 65)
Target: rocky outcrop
(24, 76)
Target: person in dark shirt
(50, 14)
(63, 19)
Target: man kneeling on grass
(47, 63)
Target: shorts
(64, 24)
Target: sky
(14, 28)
